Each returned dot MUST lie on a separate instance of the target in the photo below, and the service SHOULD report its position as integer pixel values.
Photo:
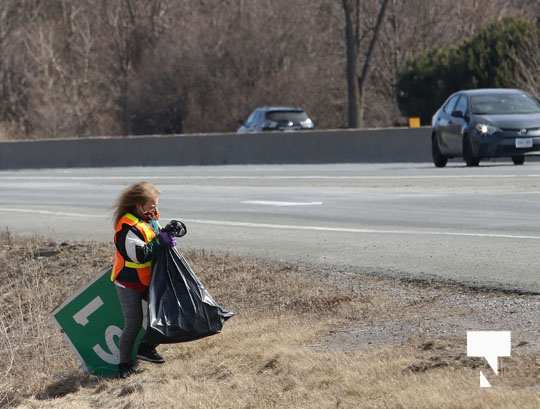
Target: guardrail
(332, 146)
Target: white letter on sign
(490, 345)
(82, 316)
(112, 357)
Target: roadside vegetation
(101, 67)
(304, 337)
(498, 56)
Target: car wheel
(518, 160)
(439, 159)
(468, 155)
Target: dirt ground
(304, 336)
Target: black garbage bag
(180, 309)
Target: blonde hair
(139, 193)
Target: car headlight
(308, 123)
(486, 129)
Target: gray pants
(132, 309)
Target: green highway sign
(92, 322)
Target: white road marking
(50, 213)
(356, 230)
(298, 227)
(278, 203)
(268, 177)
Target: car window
(461, 105)
(259, 118)
(251, 119)
(494, 104)
(449, 107)
(294, 116)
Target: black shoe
(150, 355)
(127, 369)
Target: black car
(486, 123)
(276, 119)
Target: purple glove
(165, 239)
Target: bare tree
(363, 77)
(527, 62)
(14, 14)
(353, 39)
(67, 94)
(351, 46)
(255, 55)
(128, 29)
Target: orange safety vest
(144, 270)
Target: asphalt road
(476, 225)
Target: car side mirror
(458, 114)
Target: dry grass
(35, 276)
(269, 356)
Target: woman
(137, 240)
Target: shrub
(486, 60)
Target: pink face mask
(151, 215)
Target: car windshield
(279, 116)
(499, 104)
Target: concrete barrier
(339, 146)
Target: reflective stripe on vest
(130, 264)
(144, 270)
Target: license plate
(524, 143)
